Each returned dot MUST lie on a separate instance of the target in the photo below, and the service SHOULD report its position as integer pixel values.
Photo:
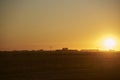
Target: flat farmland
(53, 65)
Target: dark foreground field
(59, 66)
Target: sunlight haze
(41, 24)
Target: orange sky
(40, 24)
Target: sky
(54, 24)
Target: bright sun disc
(109, 44)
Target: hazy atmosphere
(59, 39)
(45, 24)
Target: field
(59, 65)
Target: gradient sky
(41, 24)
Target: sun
(109, 44)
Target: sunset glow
(42, 24)
(109, 44)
